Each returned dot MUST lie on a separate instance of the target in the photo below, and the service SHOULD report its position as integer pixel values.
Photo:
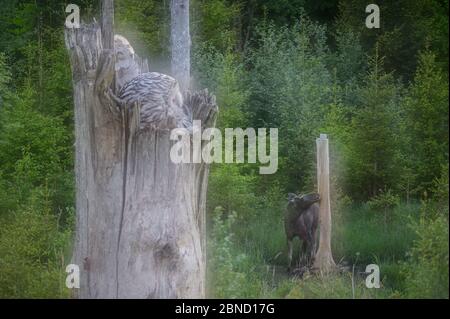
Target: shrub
(229, 270)
(426, 271)
(34, 151)
(32, 250)
(384, 202)
(231, 190)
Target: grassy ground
(255, 252)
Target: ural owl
(159, 99)
(126, 65)
(157, 95)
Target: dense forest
(304, 67)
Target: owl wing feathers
(153, 92)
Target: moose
(301, 220)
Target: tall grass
(257, 253)
(362, 232)
(357, 230)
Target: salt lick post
(323, 261)
(139, 217)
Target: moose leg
(304, 253)
(310, 249)
(313, 245)
(289, 244)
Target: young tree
(426, 110)
(373, 142)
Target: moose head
(302, 202)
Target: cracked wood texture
(140, 218)
(323, 261)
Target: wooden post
(181, 42)
(323, 261)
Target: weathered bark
(323, 260)
(181, 42)
(140, 217)
(161, 252)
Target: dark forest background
(305, 67)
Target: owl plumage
(126, 65)
(159, 100)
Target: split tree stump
(140, 218)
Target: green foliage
(223, 74)
(291, 78)
(216, 22)
(284, 12)
(359, 232)
(289, 86)
(407, 27)
(372, 159)
(363, 231)
(426, 109)
(34, 151)
(36, 145)
(33, 252)
(5, 78)
(348, 59)
(337, 286)
(229, 281)
(441, 191)
(231, 190)
(262, 236)
(146, 24)
(427, 270)
(383, 201)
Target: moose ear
(291, 196)
(299, 199)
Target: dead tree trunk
(323, 260)
(181, 42)
(140, 217)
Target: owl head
(126, 65)
(124, 52)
